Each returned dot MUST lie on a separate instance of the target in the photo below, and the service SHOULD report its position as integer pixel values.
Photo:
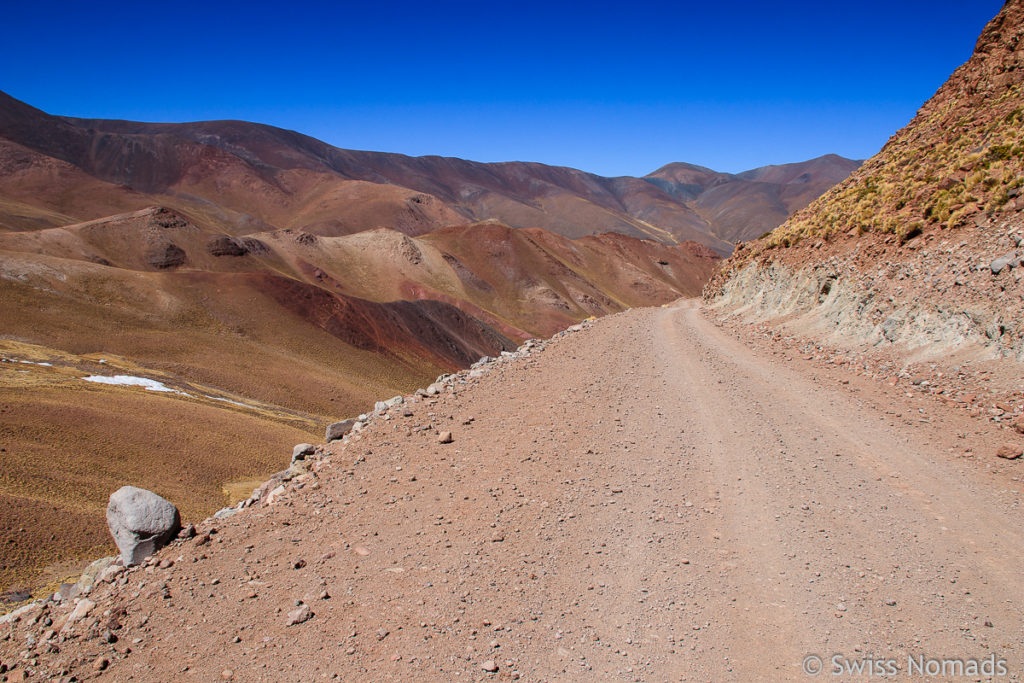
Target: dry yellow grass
(952, 162)
(240, 340)
(67, 444)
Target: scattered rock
(18, 613)
(110, 573)
(275, 494)
(1004, 261)
(1018, 424)
(302, 451)
(336, 430)
(489, 666)
(100, 663)
(1009, 451)
(91, 575)
(80, 611)
(188, 531)
(299, 615)
(141, 522)
(445, 437)
(66, 591)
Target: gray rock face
(303, 450)
(141, 522)
(1002, 262)
(336, 430)
(91, 575)
(891, 327)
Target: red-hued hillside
(264, 337)
(744, 206)
(245, 177)
(272, 283)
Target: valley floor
(650, 498)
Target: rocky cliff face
(922, 245)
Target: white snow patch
(129, 380)
(228, 400)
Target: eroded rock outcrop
(921, 246)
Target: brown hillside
(744, 206)
(293, 282)
(921, 245)
(243, 177)
(270, 335)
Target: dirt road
(648, 499)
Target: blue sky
(612, 88)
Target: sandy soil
(652, 498)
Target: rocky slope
(921, 246)
(241, 177)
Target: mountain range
(822, 456)
(240, 177)
(269, 283)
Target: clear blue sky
(616, 88)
